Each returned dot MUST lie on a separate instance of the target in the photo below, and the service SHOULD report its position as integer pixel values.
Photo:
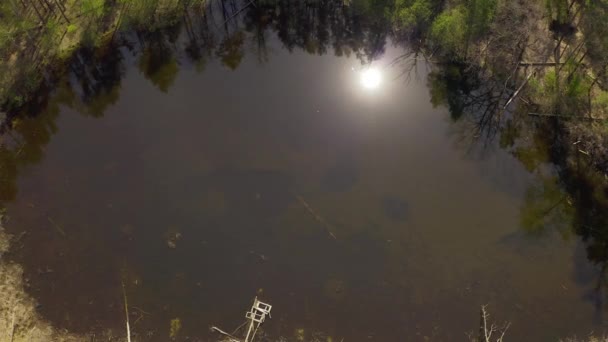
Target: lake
(351, 200)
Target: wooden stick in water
(124, 294)
(324, 223)
(56, 226)
(224, 333)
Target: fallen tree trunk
(517, 91)
(545, 64)
(568, 117)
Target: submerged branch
(514, 96)
(317, 217)
(124, 293)
(56, 226)
(232, 338)
(485, 332)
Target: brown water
(427, 228)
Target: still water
(332, 189)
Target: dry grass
(19, 320)
(586, 339)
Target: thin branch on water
(485, 332)
(320, 219)
(56, 226)
(140, 310)
(239, 327)
(224, 333)
(238, 12)
(142, 314)
(514, 96)
(124, 293)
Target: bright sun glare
(370, 78)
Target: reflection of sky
(220, 157)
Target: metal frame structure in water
(255, 317)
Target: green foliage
(480, 15)
(439, 89)
(558, 10)
(547, 206)
(456, 27)
(6, 36)
(160, 70)
(72, 28)
(534, 87)
(550, 82)
(449, 30)
(94, 8)
(413, 14)
(533, 153)
(231, 50)
(600, 102)
(175, 326)
(11, 25)
(531, 157)
(140, 12)
(152, 15)
(544, 91)
(594, 27)
(576, 88)
(377, 10)
(98, 105)
(509, 134)
(449, 86)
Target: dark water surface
(194, 197)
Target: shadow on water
(342, 176)
(235, 214)
(395, 208)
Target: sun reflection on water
(370, 78)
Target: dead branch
(56, 226)
(539, 64)
(239, 11)
(232, 338)
(317, 217)
(124, 293)
(483, 326)
(504, 330)
(517, 91)
(485, 332)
